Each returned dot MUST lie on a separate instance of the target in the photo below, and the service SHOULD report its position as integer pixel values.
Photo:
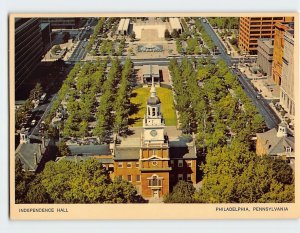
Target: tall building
(280, 30)
(28, 47)
(63, 23)
(252, 28)
(265, 48)
(287, 82)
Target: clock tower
(154, 154)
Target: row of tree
(97, 30)
(212, 104)
(205, 37)
(81, 99)
(224, 22)
(25, 109)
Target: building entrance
(156, 193)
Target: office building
(287, 98)
(280, 30)
(28, 47)
(252, 28)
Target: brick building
(277, 143)
(280, 30)
(153, 162)
(252, 28)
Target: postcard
(154, 116)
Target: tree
(36, 92)
(37, 193)
(55, 49)
(22, 179)
(167, 34)
(132, 36)
(175, 33)
(183, 192)
(63, 149)
(66, 36)
(234, 174)
(79, 182)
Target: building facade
(158, 163)
(287, 82)
(63, 23)
(252, 28)
(28, 47)
(265, 48)
(280, 30)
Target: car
(33, 122)
(258, 97)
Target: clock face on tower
(153, 133)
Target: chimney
(35, 159)
(43, 143)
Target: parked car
(33, 122)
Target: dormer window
(288, 149)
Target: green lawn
(138, 105)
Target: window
(180, 176)
(120, 165)
(119, 178)
(180, 163)
(155, 181)
(153, 111)
(138, 178)
(288, 149)
(137, 164)
(189, 177)
(129, 165)
(172, 163)
(129, 178)
(189, 163)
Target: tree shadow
(134, 108)
(132, 121)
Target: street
(262, 105)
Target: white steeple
(153, 89)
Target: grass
(138, 106)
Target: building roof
(275, 145)
(269, 42)
(153, 100)
(182, 152)
(90, 150)
(127, 153)
(102, 159)
(121, 23)
(44, 25)
(151, 71)
(182, 148)
(175, 23)
(26, 153)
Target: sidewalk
(269, 90)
